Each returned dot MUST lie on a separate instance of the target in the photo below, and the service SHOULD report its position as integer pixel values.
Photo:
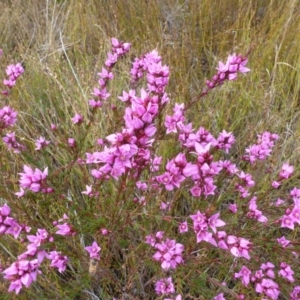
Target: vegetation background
(63, 44)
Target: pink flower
(164, 286)
(287, 221)
(228, 71)
(286, 171)
(8, 117)
(95, 104)
(283, 242)
(268, 269)
(104, 231)
(220, 297)
(41, 143)
(275, 184)
(295, 295)
(10, 140)
(71, 142)
(34, 180)
(254, 213)
(4, 210)
(286, 272)
(14, 71)
(178, 297)
(89, 191)
(214, 222)
(58, 261)
(104, 74)
(93, 251)
(11, 226)
(77, 119)
(169, 253)
(225, 140)
(268, 287)
(183, 227)
(233, 208)
(120, 48)
(127, 96)
(165, 206)
(20, 194)
(111, 59)
(21, 272)
(239, 247)
(245, 274)
(263, 148)
(65, 229)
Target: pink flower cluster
(129, 149)
(36, 241)
(21, 272)
(13, 72)
(77, 119)
(25, 269)
(295, 295)
(285, 173)
(246, 182)
(169, 253)
(64, 229)
(10, 140)
(238, 247)
(220, 297)
(177, 171)
(262, 149)
(8, 225)
(202, 144)
(164, 286)
(264, 278)
(254, 213)
(292, 214)
(157, 74)
(119, 49)
(228, 71)
(34, 180)
(176, 120)
(8, 117)
(58, 260)
(41, 143)
(202, 223)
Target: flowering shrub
(172, 219)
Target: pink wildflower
(183, 227)
(286, 272)
(41, 143)
(22, 272)
(239, 247)
(219, 297)
(286, 171)
(93, 251)
(169, 253)
(245, 274)
(283, 242)
(77, 119)
(8, 117)
(34, 180)
(58, 261)
(164, 286)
